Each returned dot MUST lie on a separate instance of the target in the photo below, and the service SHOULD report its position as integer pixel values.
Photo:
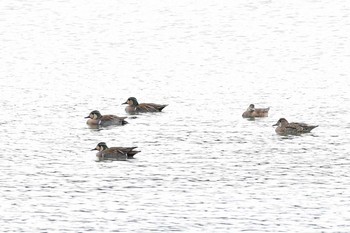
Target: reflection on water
(202, 166)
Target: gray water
(202, 166)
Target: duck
(97, 119)
(114, 153)
(134, 107)
(252, 112)
(284, 127)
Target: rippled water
(202, 166)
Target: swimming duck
(114, 153)
(96, 119)
(134, 107)
(255, 112)
(284, 127)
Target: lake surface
(203, 168)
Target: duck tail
(314, 126)
(132, 153)
(160, 108)
(311, 127)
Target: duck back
(258, 112)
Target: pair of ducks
(96, 119)
(283, 126)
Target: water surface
(202, 166)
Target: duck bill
(93, 149)
(125, 103)
(87, 117)
(275, 124)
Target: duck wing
(113, 119)
(146, 107)
(262, 110)
(128, 150)
(158, 106)
(294, 127)
(305, 127)
(113, 153)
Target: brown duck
(252, 112)
(96, 119)
(134, 107)
(114, 153)
(284, 127)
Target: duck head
(251, 108)
(94, 115)
(101, 146)
(132, 101)
(281, 122)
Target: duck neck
(98, 116)
(135, 103)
